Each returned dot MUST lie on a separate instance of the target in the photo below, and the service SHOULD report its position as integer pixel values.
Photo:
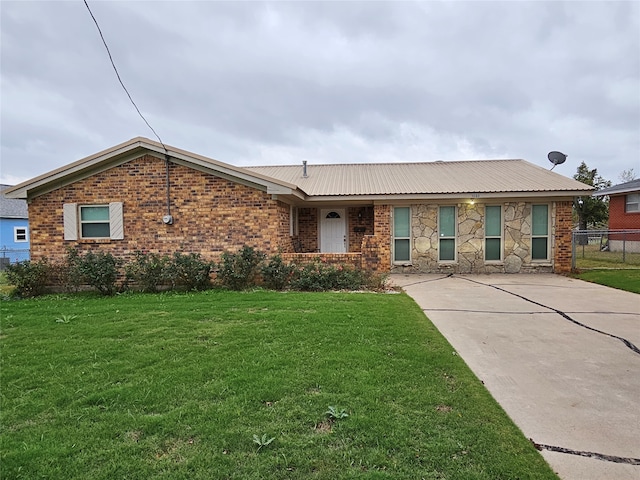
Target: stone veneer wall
(470, 240)
(211, 214)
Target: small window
(20, 234)
(540, 232)
(94, 221)
(293, 221)
(493, 233)
(447, 234)
(401, 235)
(633, 203)
(333, 215)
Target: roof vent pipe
(304, 169)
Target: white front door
(333, 231)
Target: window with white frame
(447, 234)
(402, 235)
(20, 234)
(93, 221)
(632, 203)
(493, 233)
(540, 232)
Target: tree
(627, 175)
(591, 211)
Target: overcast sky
(329, 82)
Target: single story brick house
(624, 215)
(459, 217)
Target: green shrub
(240, 270)
(148, 270)
(28, 277)
(316, 277)
(100, 270)
(189, 271)
(277, 274)
(66, 274)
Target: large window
(633, 202)
(493, 233)
(20, 234)
(540, 232)
(402, 234)
(447, 234)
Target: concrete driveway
(572, 388)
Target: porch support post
(376, 248)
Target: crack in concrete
(629, 344)
(598, 456)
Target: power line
(118, 75)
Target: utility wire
(119, 79)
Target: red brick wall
(562, 246)
(618, 218)
(359, 218)
(352, 259)
(308, 229)
(211, 214)
(376, 248)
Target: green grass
(628, 280)
(590, 256)
(176, 385)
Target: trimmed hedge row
(150, 272)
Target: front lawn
(628, 280)
(176, 386)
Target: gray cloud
(261, 82)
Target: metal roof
(11, 207)
(626, 187)
(451, 177)
(348, 182)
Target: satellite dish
(557, 158)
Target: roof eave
(449, 196)
(132, 149)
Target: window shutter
(116, 223)
(70, 217)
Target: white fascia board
(381, 199)
(70, 175)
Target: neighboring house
(624, 214)
(14, 229)
(470, 216)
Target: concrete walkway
(563, 384)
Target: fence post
(573, 251)
(624, 245)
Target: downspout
(168, 218)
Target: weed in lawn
(334, 414)
(65, 318)
(262, 441)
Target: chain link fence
(613, 249)
(12, 255)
